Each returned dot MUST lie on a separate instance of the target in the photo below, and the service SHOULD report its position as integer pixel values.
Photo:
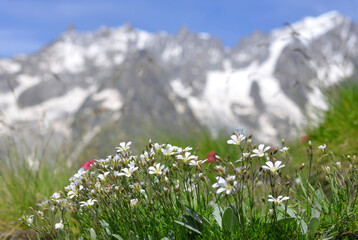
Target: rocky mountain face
(135, 80)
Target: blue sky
(28, 25)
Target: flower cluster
(163, 178)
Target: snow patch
(226, 98)
(110, 98)
(118, 59)
(172, 51)
(9, 66)
(67, 56)
(180, 89)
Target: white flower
(71, 194)
(236, 139)
(127, 171)
(245, 156)
(327, 169)
(89, 203)
(168, 150)
(198, 163)
(260, 152)
(156, 170)
(124, 147)
(187, 149)
(56, 196)
(29, 219)
(285, 150)
(43, 204)
(134, 202)
(186, 158)
(157, 147)
(322, 147)
(103, 176)
(226, 186)
(102, 161)
(273, 168)
(131, 164)
(144, 157)
(59, 225)
(277, 200)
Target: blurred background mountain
(91, 90)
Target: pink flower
(87, 165)
(211, 156)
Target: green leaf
(132, 235)
(197, 217)
(217, 215)
(171, 235)
(188, 227)
(291, 213)
(315, 213)
(189, 220)
(230, 220)
(93, 234)
(313, 227)
(117, 236)
(303, 226)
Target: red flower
(211, 156)
(87, 165)
(305, 138)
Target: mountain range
(85, 84)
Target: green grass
(340, 124)
(23, 184)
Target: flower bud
(275, 150)
(271, 212)
(219, 158)
(167, 180)
(175, 167)
(220, 169)
(256, 180)
(288, 184)
(202, 176)
(327, 178)
(248, 143)
(302, 166)
(263, 199)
